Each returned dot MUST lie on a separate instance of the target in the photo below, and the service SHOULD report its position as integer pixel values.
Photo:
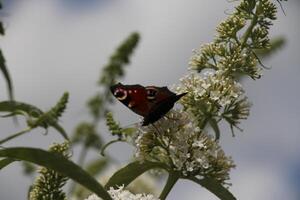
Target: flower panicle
(60, 107)
(116, 130)
(243, 32)
(48, 185)
(212, 97)
(181, 145)
(114, 69)
(51, 117)
(96, 105)
(113, 126)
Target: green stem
(204, 122)
(108, 144)
(15, 135)
(252, 25)
(82, 155)
(172, 179)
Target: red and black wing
(132, 96)
(151, 102)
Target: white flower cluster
(179, 143)
(121, 194)
(213, 95)
(212, 87)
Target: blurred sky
(60, 45)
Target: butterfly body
(151, 102)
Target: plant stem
(204, 122)
(108, 144)
(252, 25)
(82, 156)
(15, 135)
(172, 179)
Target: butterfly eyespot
(121, 94)
(151, 93)
(131, 104)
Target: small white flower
(122, 194)
(93, 197)
(199, 144)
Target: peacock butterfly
(150, 102)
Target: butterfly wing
(132, 96)
(151, 102)
(162, 103)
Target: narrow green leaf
(6, 161)
(6, 75)
(13, 106)
(21, 108)
(10, 137)
(214, 124)
(127, 174)
(58, 163)
(214, 187)
(60, 129)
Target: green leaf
(127, 174)
(6, 161)
(6, 75)
(214, 187)
(58, 163)
(10, 137)
(96, 166)
(20, 108)
(214, 124)
(28, 168)
(15, 107)
(60, 129)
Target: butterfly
(150, 102)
